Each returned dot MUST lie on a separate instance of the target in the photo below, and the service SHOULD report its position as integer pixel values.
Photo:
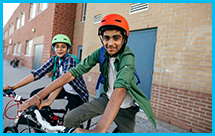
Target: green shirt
(124, 65)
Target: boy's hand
(5, 87)
(30, 102)
(44, 103)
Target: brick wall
(187, 109)
(78, 29)
(57, 18)
(42, 26)
(64, 19)
(184, 48)
(182, 80)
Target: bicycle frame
(38, 123)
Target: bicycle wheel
(25, 125)
(28, 129)
(10, 130)
(115, 130)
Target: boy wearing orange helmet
(118, 102)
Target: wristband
(38, 98)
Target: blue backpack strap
(101, 61)
(101, 56)
(138, 79)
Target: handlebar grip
(32, 108)
(9, 92)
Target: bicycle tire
(116, 130)
(10, 129)
(25, 125)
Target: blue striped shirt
(68, 62)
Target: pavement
(13, 75)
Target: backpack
(55, 65)
(101, 61)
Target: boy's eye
(116, 38)
(106, 38)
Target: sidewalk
(13, 75)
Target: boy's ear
(125, 40)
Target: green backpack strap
(76, 59)
(54, 69)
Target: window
(138, 7)
(43, 6)
(97, 19)
(33, 10)
(84, 12)
(17, 23)
(14, 49)
(4, 49)
(22, 18)
(19, 48)
(11, 29)
(6, 34)
(29, 47)
(8, 50)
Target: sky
(8, 10)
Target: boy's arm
(59, 82)
(51, 98)
(109, 114)
(27, 80)
(47, 67)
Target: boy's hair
(62, 42)
(111, 27)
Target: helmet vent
(65, 39)
(118, 20)
(55, 39)
(103, 20)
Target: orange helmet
(114, 20)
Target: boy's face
(60, 49)
(113, 41)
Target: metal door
(38, 53)
(142, 43)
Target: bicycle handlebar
(45, 125)
(48, 128)
(33, 109)
(9, 92)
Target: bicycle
(33, 121)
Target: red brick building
(35, 24)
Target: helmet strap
(100, 37)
